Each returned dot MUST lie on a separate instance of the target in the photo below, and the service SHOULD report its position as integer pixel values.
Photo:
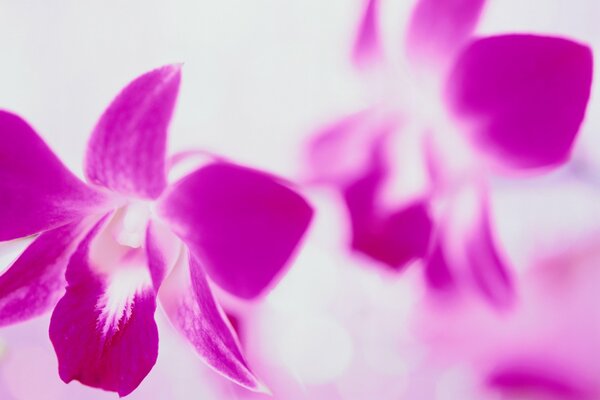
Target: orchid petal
(103, 329)
(367, 46)
(438, 28)
(243, 224)
(360, 195)
(487, 266)
(126, 152)
(400, 237)
(537, 380)
(163, 249)
(337, 153)
(470, 248)
(187, 299)
(37, 192)
(392, 238)
(524, 97)
(437, 272)
(35, 281)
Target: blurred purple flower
(546, 348)
(510, 104)
(129, 238)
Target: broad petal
(392, 238)
(103, 329)
(187, 299)
(398, 238)
(438, 28)
(523, 97)
(537, 380)
(243, 224)
(37, 192)
(367, 45)
(126, 152)
(35, 281)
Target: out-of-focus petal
(37, 192)
(126, 152)
(187, 299)
(392, 238)
(437, 273)
(367, 45)
(35, 281)
(470, 249)
(360, 195)
(537, 380)
(488, 268)
(103, 329)
(339, 152)
(398, 238)
(438, 28)
(243, 224)
(523, 97)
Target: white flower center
(132, 221)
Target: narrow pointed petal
(103, 329)
(37, 192)
(367, 45)
(437, 273)
(187, 299)
(537, 380)
(487, 266)
(243, 224)
(438, 28)
(126, 152)
(35, 281)
(523, 97)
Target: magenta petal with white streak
(523, 96)
(37, 192)
(438, 28)
(126, 152)
(469, 250)
(103, 329)
(187, 299)
(35, 281)
(487, 266)
(244, 225)
(398, 238)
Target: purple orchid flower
(509, 104)
(546, 348)
(130, 238)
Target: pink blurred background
(259, 77)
